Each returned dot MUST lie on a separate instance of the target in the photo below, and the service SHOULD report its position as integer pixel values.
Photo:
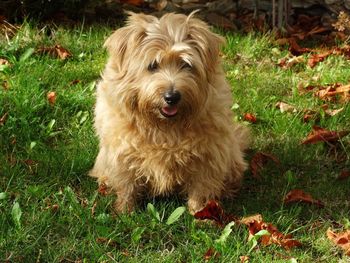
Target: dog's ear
(125, 39)
(206, 42)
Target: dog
(163, 114)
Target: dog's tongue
(169, 110)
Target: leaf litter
(297, 195)
(319, 134)
(341, 239)
(259, 160)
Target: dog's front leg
(200, 192)
(119, 180)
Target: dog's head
(161, 68)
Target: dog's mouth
(169, 111)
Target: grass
(50, 210)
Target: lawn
(51, 211)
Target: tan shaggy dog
(163, 114)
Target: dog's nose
(172, 97)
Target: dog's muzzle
(171, 98)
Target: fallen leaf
(344, 174)
(250, 118)
(316, 58)
(244, 259)
(288, 62)
(3, 118)
(51, 97)
(341, 239)
(56, 51)
(297, 195)
(333, 112)
(295, 49)
(319, 134)
(213, 211)
(211, 252)
(4, 61)
(275, 236)
(250, 219)
(333, 90)
(285, 107)
(258, 161)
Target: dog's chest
(161, 166)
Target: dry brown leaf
(258, 161)
(288, 62)
(250, 219)
(295, 49)
(3, 118)
(344, 175)
(319, 134)
(213, 211)
(333, 112)
(56, 51)
(341, 239)
(343, 22)
(4, 61)
(275, 236)
(297, 195)
(250, 118)
(333, 90)
(316, 58)
(285, 107)
(244, 259)
(51, 97)
(62, 52)
(211, 252)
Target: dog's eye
(186, 65)
(153, 66)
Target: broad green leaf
(32, 145)
(225, 233)
(175, 215)
(137, 234)
(3, 195)
(261, 233)
(256, 237)
(152, 210)
(16, 214)
(26, 54)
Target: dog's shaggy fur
(156, 145)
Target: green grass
(47, 150)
